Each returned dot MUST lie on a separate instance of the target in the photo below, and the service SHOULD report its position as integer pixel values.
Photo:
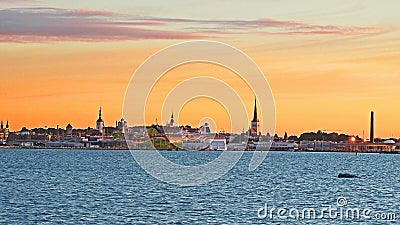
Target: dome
(100, 120)
(69, 126)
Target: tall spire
(1, 125)
(255, 121)
(100, 122)
(7, 125)
(255, 118)
(171, 122)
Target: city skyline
(327, 66)
(99, 124)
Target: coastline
(126, 149)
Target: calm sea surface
(108, 187)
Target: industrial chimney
(371, 132)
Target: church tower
(7, 130)
(172, 121)
(4, 132)
(100, 122)
(255, 121)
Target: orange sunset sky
(328, 63)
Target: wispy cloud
(56, 24)
(20, 1)
(280, 27)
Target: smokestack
(371, 132)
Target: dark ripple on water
(108, 187)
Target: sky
(328, 63)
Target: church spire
(171, 122)
(255, 118)
(7, 125)
(255, 121)
(100, 122)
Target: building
(205, 129)
(253, 133)
(255, 122)
(218, 144)
(4, 132)
(172, 121)
(170, 128)
(276, 146)
(365, 147)
(122, 125)
(69, 129)
(100, 123)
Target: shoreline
(126, 149)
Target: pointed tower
(100, 122)
(172, 121)
(255, 121)
(7, 130)
(3, 132)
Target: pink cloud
(265, 22)
(294, 27)
(272, 26)
(20, 1)
(85, 12)
(55, 24)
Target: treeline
(322, 136)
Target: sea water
(109, 187)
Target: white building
(100, 123)
(218, 144)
